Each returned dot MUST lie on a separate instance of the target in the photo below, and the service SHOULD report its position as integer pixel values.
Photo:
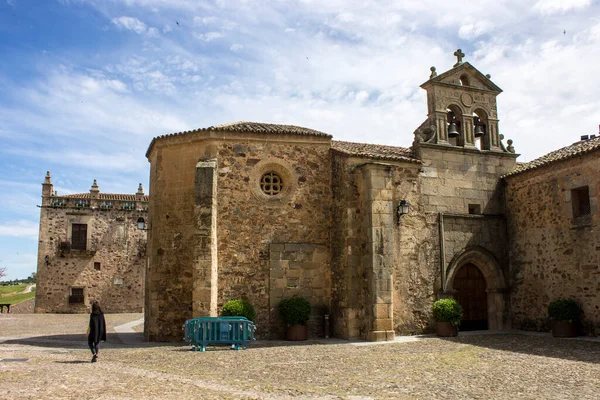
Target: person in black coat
(96, 330)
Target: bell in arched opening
(479, 127)
(452, 125)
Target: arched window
(464, 80)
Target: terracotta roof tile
(249, 127)
(576, 149)
(375, 151)
(259, 127)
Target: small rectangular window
(78, 236)
(580, 200)
(76, 296)
(474, 209)
(97, 266)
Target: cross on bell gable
(459, 56)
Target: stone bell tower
(461, 109)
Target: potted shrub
(565, 315)
(295, 312)
(238, 308)
(447, 314)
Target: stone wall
(349, 289)
(552, 254)
(110, 270)
(248, 221)
(369, 237)
(451, 180)
(299, 269)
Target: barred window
(271, 184)
(76, 296)
(580, 200)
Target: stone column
(442, 127)
(204, 291)
(492, 140)
(468, 136)
(378, 260)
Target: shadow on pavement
(542, 345)
(79, 341)
(72, 362)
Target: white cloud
(130, 23)
(205, 20)
(236, 47)
(208, 36)
(135, 25)
(20, 228)
(547, 7)
(473, 30)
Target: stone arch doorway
(477, 263)
(470, 287)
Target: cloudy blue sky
(86, 84)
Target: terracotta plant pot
(563, 329)
(296, 332)
(445, 329)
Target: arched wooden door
(470, 286)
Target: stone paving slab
(471, 366)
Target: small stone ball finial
(433, 73)
(488, 76)
(510, 147)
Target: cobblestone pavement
(46, 356)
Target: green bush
(239, 308)
(564, 310)
(295, 311)
(447, 310)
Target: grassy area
(13, 289)
(17, 298)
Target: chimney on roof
(140, 191)
(584, 137)
(94, 190)
(47, 189)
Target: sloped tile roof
(374, 151)
(576, 149)
(259, 127)
(249, 127)
(105, 196)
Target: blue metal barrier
(234, 331)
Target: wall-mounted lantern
(402, 209)
(141, 224)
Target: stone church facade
(371, 235)
(90, 248)
(264, 211)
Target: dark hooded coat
(97, 328)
